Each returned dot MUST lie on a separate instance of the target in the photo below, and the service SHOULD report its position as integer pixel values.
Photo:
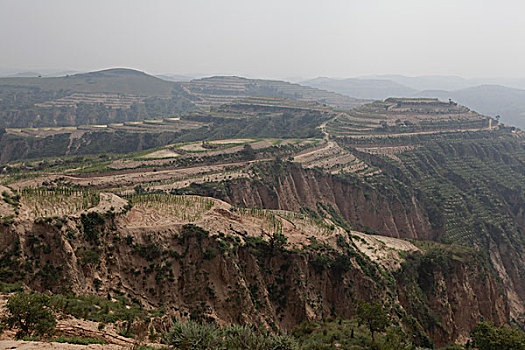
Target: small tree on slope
(30, 313)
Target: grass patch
(79, 340)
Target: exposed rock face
(385, 210)
(234, 276)
(459, 294)
(362, 206)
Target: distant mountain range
(447, 82)
(174, 77)
(488, 99)
(504, 97)
(129, 81)
(377, 89)
(36, 74)
(118, 80)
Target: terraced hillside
(422, 211)
(106, 99)
(330, 157)
(216, 91)
(405, 116)
(251, 117)
(162, 255)
(125, 95)
(466, 170)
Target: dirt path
(326, 136)
(329, 148)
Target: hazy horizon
(54, 72)
(271, 39)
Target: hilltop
(489, 99)
(125, 95)
(117, 80)
(114, 95)
(215, 91)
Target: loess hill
(125, 95)
(275, 211)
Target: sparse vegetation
(271, 222)
(59, 201)
(97, 309)
(181, 207)
(78, 340)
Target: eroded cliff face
(392, 209)
(377, 209)
(230, 279)
(221, 273)
(449, 295)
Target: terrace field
(265, 186)
(217, 91)
(124, 95)
(275, 118)
(396, 116)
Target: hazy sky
(268, 38)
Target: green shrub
(193, 336)
(30, 314)
(321, 262)
(245, 337)
(89, 257)
(92, 223)
(149, 252)
(79, 340)
(10, 287)
(97, 309)
(486, 336)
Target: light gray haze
(270, 38)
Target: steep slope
(288, 187)
(211, 261)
